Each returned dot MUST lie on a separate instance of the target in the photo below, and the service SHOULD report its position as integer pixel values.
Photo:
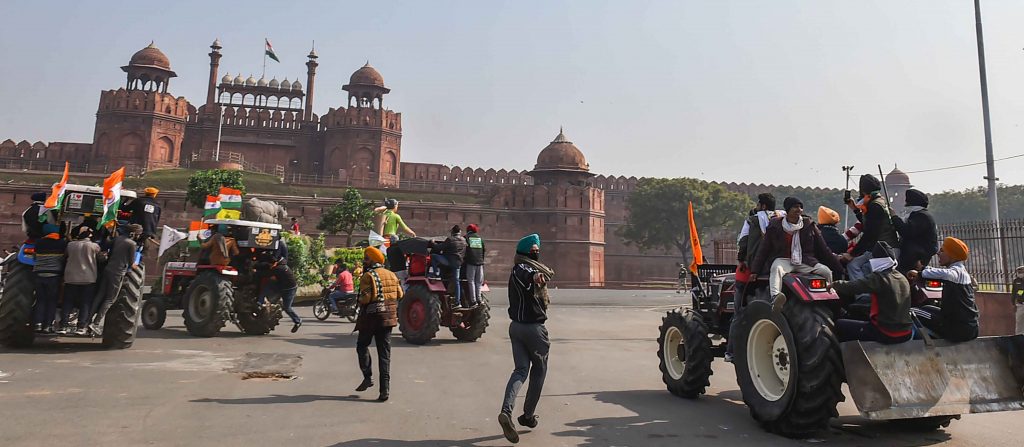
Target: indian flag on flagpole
(56, 197)
(270, 50)
(111, 196)
(230, 198)
(212, 206)
(194, 228)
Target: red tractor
(429, 302)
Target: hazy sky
(781, 91)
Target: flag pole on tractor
(56, 197)
(698, 255)
(111, 197)
(268, 51)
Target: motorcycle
(348, 306)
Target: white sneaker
(728, 357)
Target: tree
(658, 213)
(208, 183)
(351, 214)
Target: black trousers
(382, 338)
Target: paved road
(603, 389)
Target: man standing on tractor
(51, 252)
(122, 257)
(792, 244)
(889, 290)
(390, 222)
(475, 255)
(30, 223)
(146, 212)
(80, 279)
(873, 213)
(528, 306)
(957, 319)
(379, 292)
(449, 254)
(919, 237)
(747, 244)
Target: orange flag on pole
(698, 256)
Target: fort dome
(367, 75)
(896, 177)
(151, 56)
(561, 155)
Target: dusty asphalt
(603, 389)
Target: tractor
(790, 366)
(17, 282)
(212, 295)
(429, 302)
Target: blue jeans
(78, 296)
(287, 299)
(47, 291)
(453, 267)
(475, 281)
(337, 295)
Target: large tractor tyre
(122, 320)
(16, 304)
(684, 354)
(473, 329)
(259, 320)
(789, 367)
(208, 303)
(419, 315)
(925, 424)
(154, 314)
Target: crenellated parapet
(354, 117)
(164, 104)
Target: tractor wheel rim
(202, 304)
(417, 315)
(674, 353)
(768, 360)
(150, 315)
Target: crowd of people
(882, 258)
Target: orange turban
(374, 255)
(151, 191)
(827, 216)
(955, 248)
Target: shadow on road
(284, 399)
(473, 442)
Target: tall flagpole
(264, 74)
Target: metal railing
(40, 165)
(995, 251)
(237, 158)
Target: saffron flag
(111, 196)
(194, 228)
(698, 255)
(212, 206)
(230, 198)
(270, 50)
(56, 197)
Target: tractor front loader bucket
(914, 379)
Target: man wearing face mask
(528, 306)
(919, 237)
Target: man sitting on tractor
(889, 290)
(957, 319)
(792, 244)
(220, 248)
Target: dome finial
(561, 138)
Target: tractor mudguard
(914, 380)
(26, 254)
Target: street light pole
(846, 209)
(993, 202)
(220, 125)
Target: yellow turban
(827, 216)
(374, 255)
(956, 249)
(151, 191)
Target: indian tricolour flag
(111, 196)
(212, 207)
(270, 50)
(56, 196)
(230, 198)
(194, 228)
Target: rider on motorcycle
(343, 287)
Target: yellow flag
(229, 214)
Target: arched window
(390, 163)
(165, 149)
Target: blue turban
(526, 243)
(50, 228)
(39, 197)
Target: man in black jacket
(528, 305)
(30, 222)
(449, 254)
(890, 320)
(474, 262)
(146, 212)
(872, 211)
(919, 237)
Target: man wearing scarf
(792, 244)
(919, 237)
(957, 319)
(528, 305)
(873, 213)
(379, 292)
(747, 243)
(890, 301)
